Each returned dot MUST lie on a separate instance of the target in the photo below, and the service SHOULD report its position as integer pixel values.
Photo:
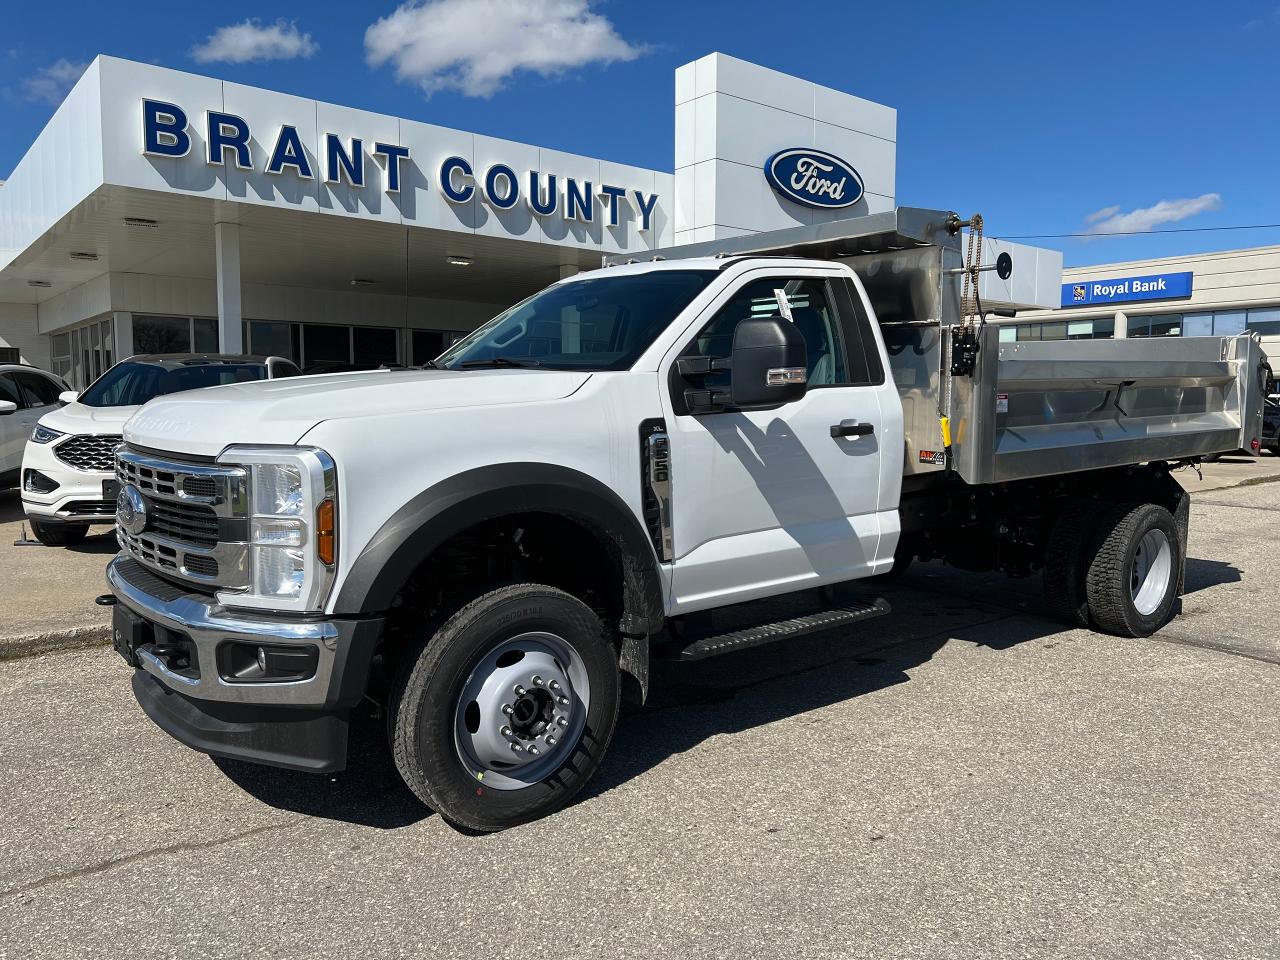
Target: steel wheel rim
(521, 711)
(1152, 572)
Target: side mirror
(770, 363)
(7, 407)
(68, 396)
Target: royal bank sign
(344, 159)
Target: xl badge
(131, 510)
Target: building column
(1122, 326)
(227, 242)
(122, 326)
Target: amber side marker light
(326, 541)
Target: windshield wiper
(502, 362)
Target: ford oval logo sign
(814, 178)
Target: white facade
(732, 115)
(163, 211)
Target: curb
(72, 638)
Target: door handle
(851, 428)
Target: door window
(9, 390)
(809, 302)
(40, 391)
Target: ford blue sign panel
(1159, 286)
(814, 178)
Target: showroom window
(158, 334)
(320, 346)
(429, 344)
(83, 354)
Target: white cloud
(474, 46)
(1111, 220)
(242, 42)
(50, 84)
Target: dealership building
(162, 211)
(1220, 294)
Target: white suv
(68, 470)
(26, 395)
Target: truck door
(764, 502)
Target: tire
(1135, 570)
(59, 534)
(452, 753)
(1065, 563)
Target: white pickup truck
(507, 537)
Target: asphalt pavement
(961, 779)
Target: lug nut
(519, 690)
(506, 708)
(505, 731)
(535, 751)
(551, 741)
(562, 700)
(555, 687)
(537, 681)
(562, 721)
(516, 748)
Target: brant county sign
(813, 178)
(168, 132)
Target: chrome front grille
(184, 522)
(197, 526)
(89, 451)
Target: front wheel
(503, 713)
(1135, 570)
(59, 534)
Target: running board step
(712, 645)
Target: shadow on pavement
(692, 702)
(1202, 574)
(368, 793)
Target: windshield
(599, 323)
(129, 384)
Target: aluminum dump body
(1042, 408)
(1029, 409)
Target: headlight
(42, 434)
(292, 527)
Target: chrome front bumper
(207, 625)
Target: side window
(864, 357)
(40, 391)
(9, 390)
(810, 303)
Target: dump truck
(682, 456)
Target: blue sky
(1040, 116)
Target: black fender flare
(414, 531)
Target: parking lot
(963, 779)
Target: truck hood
(79, 418)
(204, 422)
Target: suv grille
(89, 451)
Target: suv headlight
(293, 534)
(43, 434)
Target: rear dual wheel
(504, 712)
(1116, 567)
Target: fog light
(253, 663)
(33, 481)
